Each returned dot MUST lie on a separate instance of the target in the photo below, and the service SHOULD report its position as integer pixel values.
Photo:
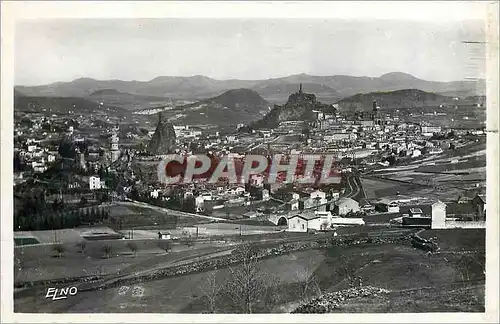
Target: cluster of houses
(316, 210)
(37, 157)
(428, 214)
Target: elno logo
(62, 293)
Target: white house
(199, 203)
(393, 207)
(319, 220)
(188, 194)
(295, 196)
(206, 196)
(318, 193)
(318, 203)
(94, 183)
(154, 194)
(346, 205)
(256, 180)
(292, 204)
(239, 190)
(335, 195)
(265, 195)
(438, 215)
(416, 153)
(303, 222)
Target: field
(444, 176)
(136, 217)
(376, 188)
(418, 282)
(40, 262)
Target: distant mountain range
(328, 89)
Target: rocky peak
(300, 98)
(163, 140)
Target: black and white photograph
(251, 164)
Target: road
(254, 146)
(354, 187)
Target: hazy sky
(128, 49)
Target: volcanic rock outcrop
(163, 140)
(300, 106)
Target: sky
(53, 50)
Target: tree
(212, 292)
(59, 249)
(165, 245)
(83, 201)
(93, 214)
(187, 238)
(248, 284)
(81, 246)
(106, 249)
(189, 205)
(307, 283)
(132, 247)
(347, 270)
(468, 265)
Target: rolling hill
(230, 108)
(199, 87)
(63, 105)
(125, 100)
(407, 98)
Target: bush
(132, 247)
(59, 249)
(107, 248)
(81, 246)
(165, 245)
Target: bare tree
(347, 270)
(212, 292)
(132, 246)
(18, 267)
(107, 248)
(248, 284)
(81, 246)
(307, 282)
(187, 238)
(467, 266)
(59, 249)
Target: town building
(95, 183)
(346, 205)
